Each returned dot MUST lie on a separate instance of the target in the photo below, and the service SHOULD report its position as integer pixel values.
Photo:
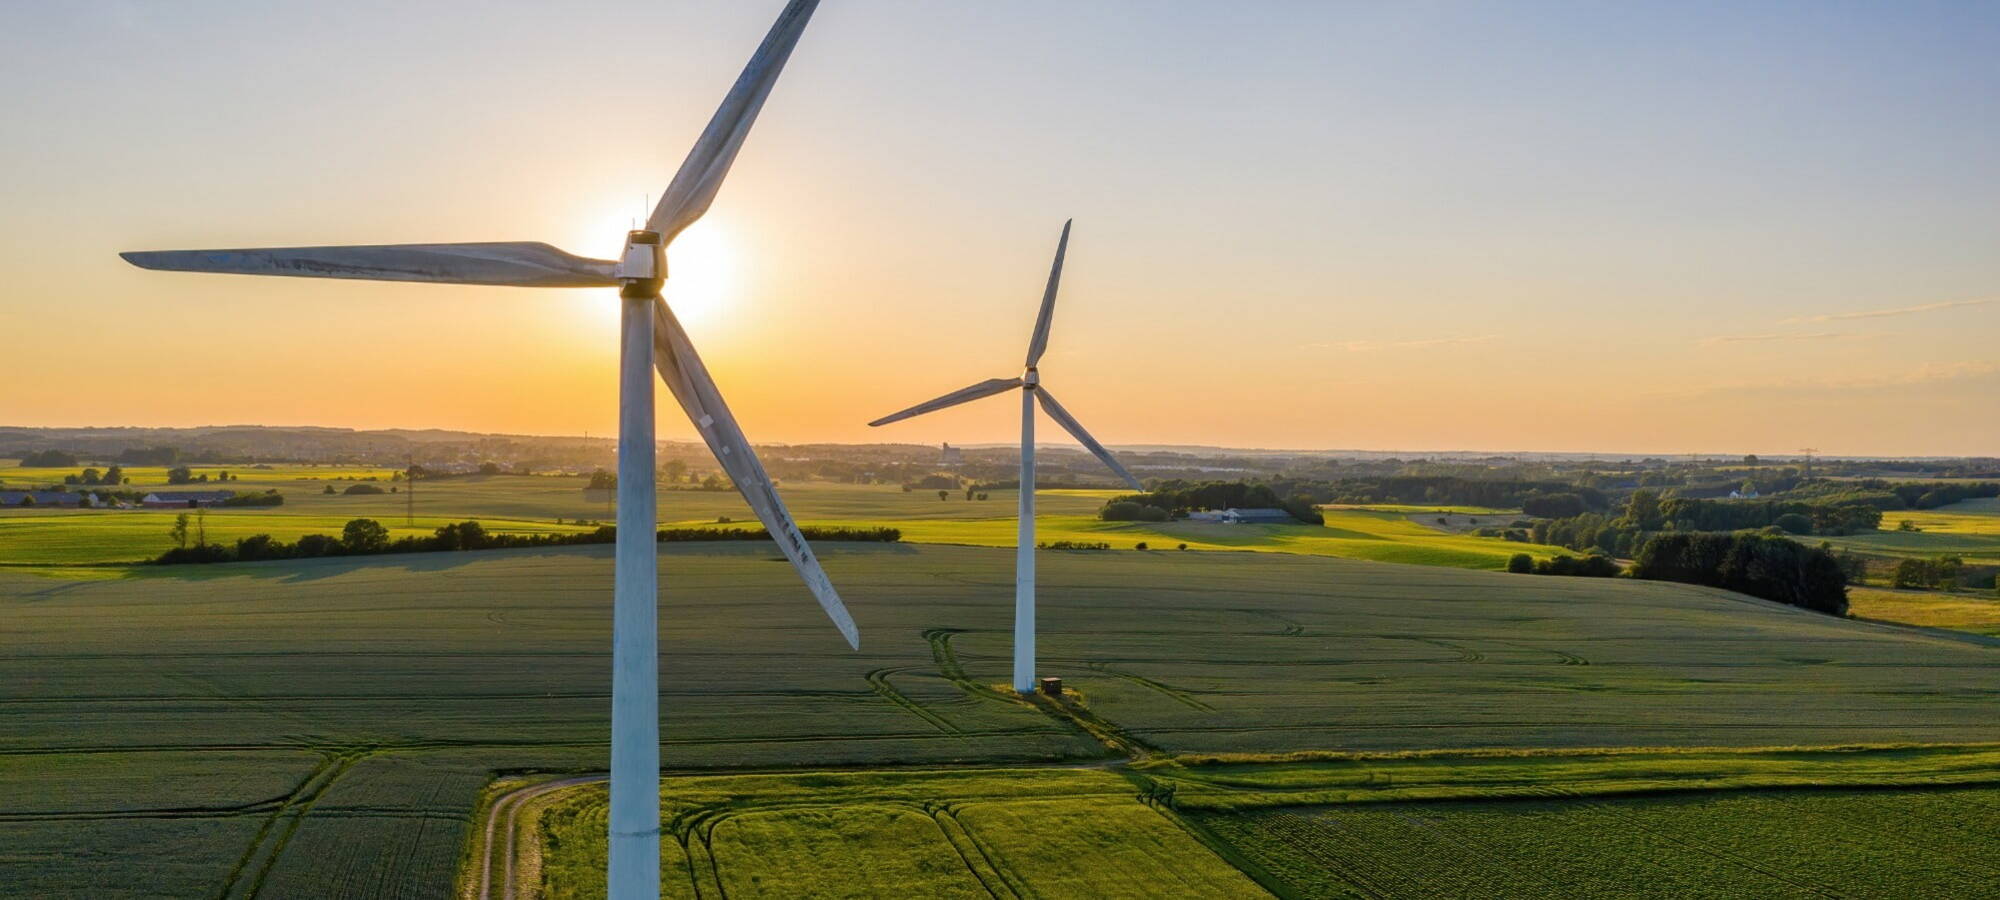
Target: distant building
(1747, 492)
(951, 457)
(43, 498)
(184, 499)
(1243, 517)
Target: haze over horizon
(1632, 229)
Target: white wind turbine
(1032, 390)
(651, 337)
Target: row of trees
(1645, 514)
(366, 537)
(1934, 574)
(1590, 565)
(112, 476)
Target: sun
(702, 266)
(701, 272)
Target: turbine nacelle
(642, 268)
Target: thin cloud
(1887, 313)
(1371, 346)
(1779, 336)
(1929, 374)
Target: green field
(532, 504)
(155, 477)
(1975, 612)
(926, 833)
(1623, 823)
(1891, 844)
(326, 727)
(1970, 529)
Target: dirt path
(501, 818)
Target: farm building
(951, 457)
(184, 499)
(1243, 517)
(43, 498)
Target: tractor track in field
(1173, 693)
(282, 824)
(878, 679)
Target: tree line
(1174, 499)
(367, 537)
(1761, 565)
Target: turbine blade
(691, 385)
(1040, 342)
(701, 174)
(985, 388)
(510, 264)
(1075, 428)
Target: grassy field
(327, 726)
(531, 504)
(1975, 612)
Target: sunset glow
(1430, 227)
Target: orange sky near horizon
(1298, 225)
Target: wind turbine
(650, 337)
(1030, 383)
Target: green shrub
(1521, 564)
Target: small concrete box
(1052, 686)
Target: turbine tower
(650, 337)
(1032, 391)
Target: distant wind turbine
(1032, 390)
(651, 337)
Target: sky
(1561, 226)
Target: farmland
(1573, 822)
(533, 504)
(1970, 529)
(1909, 843)
(277, 728)
(1976, 613)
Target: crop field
(1891, 844)
(151, 477)
(1975, 612)
(275, 728)
(1970, 529)
(965, 833)
(1624, 823)
(532, 504)
(71, 537)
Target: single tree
(329, 490)
(364, 536)
(944, 495)
(674, 470)
(1521, 564)
(180, 475)
(114, 475)
(180, 531)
